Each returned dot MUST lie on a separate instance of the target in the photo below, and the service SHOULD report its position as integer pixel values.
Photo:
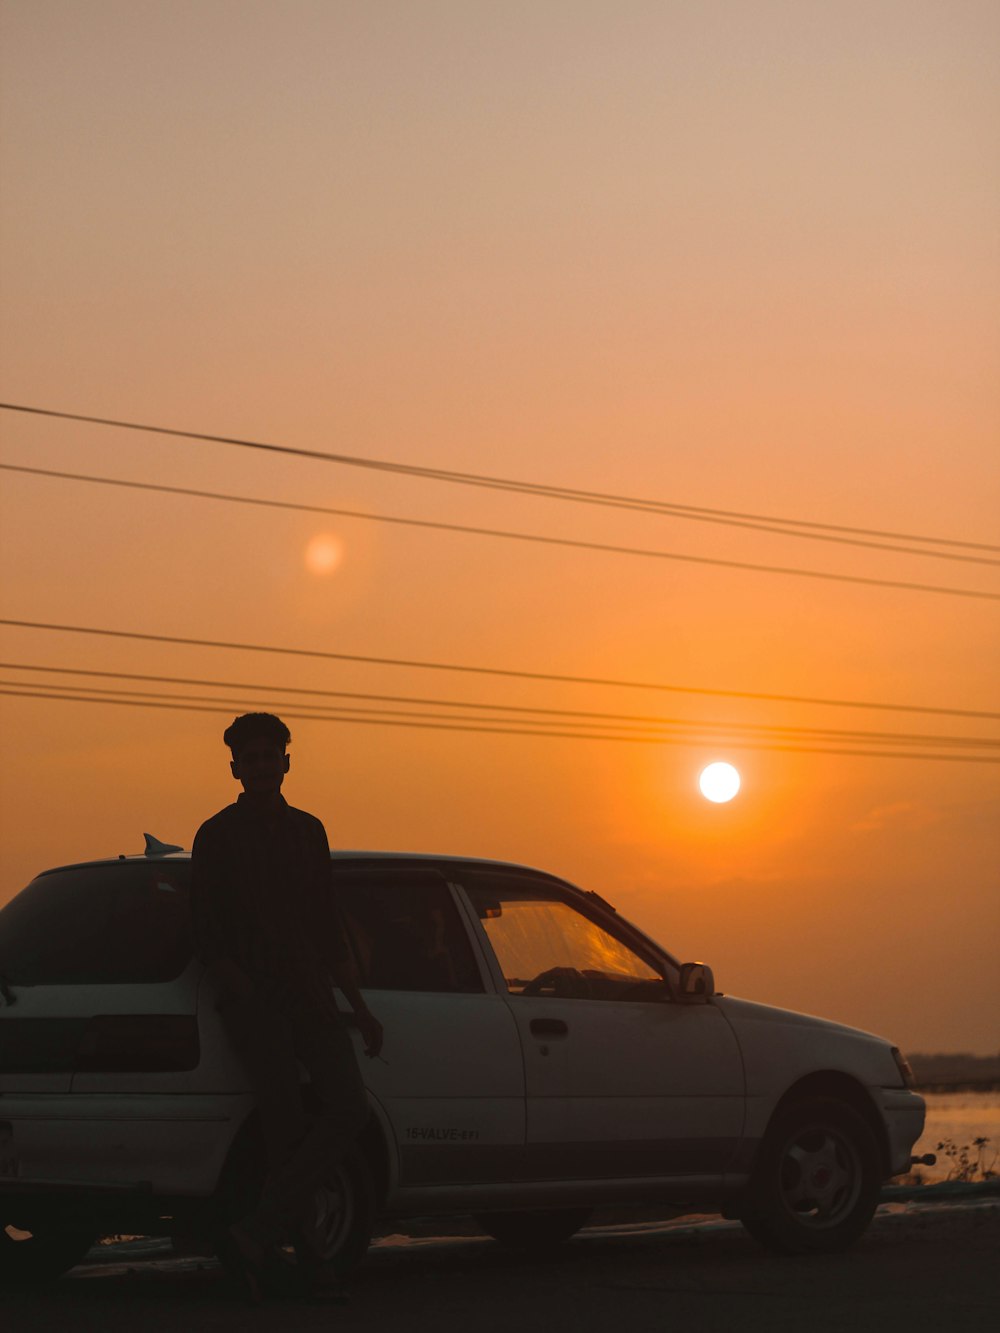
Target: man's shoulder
(310, 828)
(217, 824)
(306, 821)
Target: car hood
(738, 1010)
(781, 1043)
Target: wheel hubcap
(821, 1176)
(329, 1220)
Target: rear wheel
(534, 1230)
(816, 1181)
(49, 1249)
(338, 1226)
(336, 1230)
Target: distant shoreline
(959, 1085)
(958, 1072)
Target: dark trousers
(273, 1033)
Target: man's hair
(254, 726)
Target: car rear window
(96, 924)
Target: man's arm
(340, 955)
(344, 970)
(350, 983)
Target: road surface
(918, 1268)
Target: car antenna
(154, 847)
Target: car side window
(546, 946)
(96, 924)
(406, 932)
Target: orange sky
(733, 255)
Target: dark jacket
(262, 894)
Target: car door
(450, 1077)
(98, 964)
(621, 1081)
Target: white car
(542, 1057)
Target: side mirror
(696, 985)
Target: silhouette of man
(266, 922)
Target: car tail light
(138, 1043)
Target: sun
(719, 782)
(324, 553)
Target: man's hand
(370, 1029)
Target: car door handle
(548, 1027)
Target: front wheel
(816, 1182)
(534, 1230)
(45, 1252)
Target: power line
(497, 730)
(665, 727)
(570, 716)
(690, 733)
(604, 547)
(505, 672)
(785, 526)
(228, 497)
(465, 529)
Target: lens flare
(324, 553)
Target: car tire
(338, 1228)
(534, 1230)
(42, 1254)
(815, 1183)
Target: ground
(917, 1268)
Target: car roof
(411, 858)
(428, 859)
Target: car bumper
(903, 1114)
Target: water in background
(960, 1117)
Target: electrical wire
(790, 527)
(497, 730)
(576, 717)
(504, 672)
(467, 530)
(671, 727)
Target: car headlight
(903, 1065)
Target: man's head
(258, 742)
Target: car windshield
(546, 945)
